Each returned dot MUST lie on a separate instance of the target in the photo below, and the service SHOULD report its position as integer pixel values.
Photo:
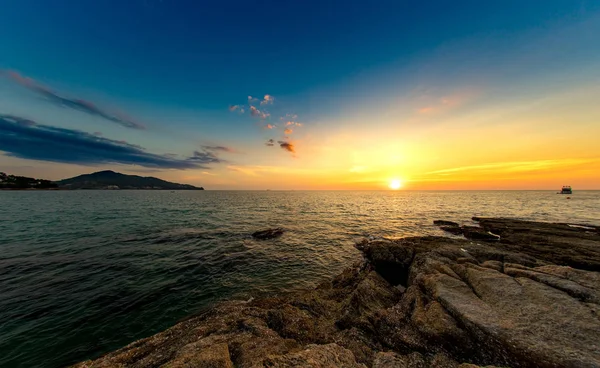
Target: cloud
(270, 143)
(268, 100)
(512, 166)
(289, 117)
(257, 113)
(270, 126)
(293, 123)
(218, 148)
(205, 157)
(252, 100)
(27, 139)
(72, 103)
(288, 131)
(232, 108)
(287, 146)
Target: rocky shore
(511, 294)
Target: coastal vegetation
(113, 180)
(23, 182)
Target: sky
(435, 95)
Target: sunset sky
(304, 94)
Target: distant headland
(99, 180)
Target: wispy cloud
(293, 123)
(72, 103)
(206, 157)
(23, 138)
(288, 131)
(448, 102)
(270, 143)
(218, 149)
(288, 117)
(270, 126)
(512, 166)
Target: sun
(395, 184)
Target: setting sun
(395, 184)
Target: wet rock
(476, 233)
(268, 233)
(560, 244)
(445, 223)
(455, 230)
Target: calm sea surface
(86, 272)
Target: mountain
(113, 180)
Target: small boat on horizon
(566, 189)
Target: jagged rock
(530, 299)
(268, 233)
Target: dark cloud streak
(27, 139)
(218, 148)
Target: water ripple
(85, 272)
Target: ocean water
(85, 272)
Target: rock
(394, 360)
(559, 244)
(213, 356)
(452, 229)
(476, 233)
(528, 299)
(316, 356)
(521, 317)
(268, 233)
(445, 223)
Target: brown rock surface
(531, 299)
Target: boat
(566, 190)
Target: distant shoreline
(108, 190)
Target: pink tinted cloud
(270, 126)
(267, 100)
(257, 113)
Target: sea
(85, 272)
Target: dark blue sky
(176, 66)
